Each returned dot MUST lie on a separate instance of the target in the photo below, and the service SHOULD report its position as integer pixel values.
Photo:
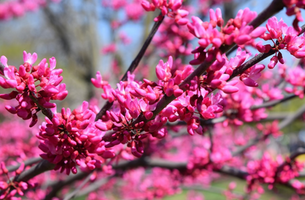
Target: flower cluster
(293, 8)
(71, 139)
(26, 80)
(211, 39)
(296, 77)
(134, 10)
(17, 134)
(238, 106)
(270, 171)
(299, 186)
(11, 188)
(159, 183)
(134, 98)
(130, 100)
(171, 8)
(287, 38)
(208, 155)
(270, 128)
(173, 39)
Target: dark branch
(41, 167)
(274, 102)
(28, 162)
(58, 185)
(134, 63)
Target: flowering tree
(188, 127)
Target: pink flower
(293, 8)
(71, 139)
(111, 48)
(296, 78)
(163, 70)
(251, 75)
(29, 58)
(235, 31)
(26, 80)
(171, 8)
(134, 11)
(287, 38)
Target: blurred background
(86, 36)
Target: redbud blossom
(26, 80)
(170, 8)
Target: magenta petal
(258, 32)
(101, 125)
(108, 154)
(250, 82)
(242, 39)
(12, 83)
(230, 89)
(50, 89)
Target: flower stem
(134, 64)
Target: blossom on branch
(171, 8)
(71, 139)
(293, 8)
(286, 38)
(26, 80)
(211, 39)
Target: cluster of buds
(26, 80)
(71, 139)
(296, 77)
(11, 188)
(271, 171)
(287, 38)
(171, 8)
(211, 39)
(173, 39)
(130, 99)
(294, 8)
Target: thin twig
(274, 102)
(46, 111)
(28, 162)
(287, 121)
(290, 118)
(41, 167)
(211, 189)
(256, 59)
(211, 140)
(134, 63)
(76, 191)
(94, 186)
(58, 185)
